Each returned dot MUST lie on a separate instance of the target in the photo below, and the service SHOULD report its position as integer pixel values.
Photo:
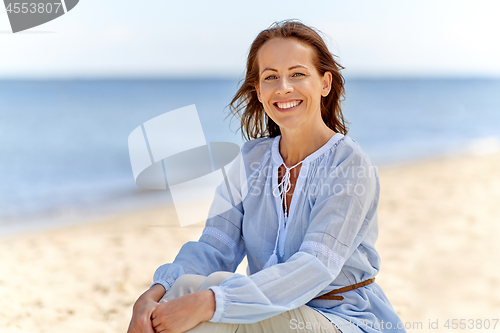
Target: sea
(64, 154)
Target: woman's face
(289, 86)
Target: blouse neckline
(278, 160)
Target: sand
(439, 242)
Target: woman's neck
(297, 144)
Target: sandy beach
(439, 240)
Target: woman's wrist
(207, 298)
(154, 293)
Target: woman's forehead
(284, 53)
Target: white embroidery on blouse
(222, 237)
(324, 250)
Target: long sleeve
(339, 220)
(221, 247)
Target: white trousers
(301, 319)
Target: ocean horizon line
(112, 78)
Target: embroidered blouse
(326, 242)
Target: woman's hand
(184, 313)
(143, 308)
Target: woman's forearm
(154, 293)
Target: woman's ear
(327, 84)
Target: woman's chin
(289, 125)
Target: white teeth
(287, 105)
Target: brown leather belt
(344, 289)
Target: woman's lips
(287, 106)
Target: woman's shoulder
(260, 143)
(348, 151)
(255, 150)
(347, 162)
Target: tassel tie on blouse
(283, 188)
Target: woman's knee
(185, 284)
(190, 283)
(214, 279)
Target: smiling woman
(301, 204)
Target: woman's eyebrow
(297, 66)
(268, 69)
(275, 70)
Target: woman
(302, 206)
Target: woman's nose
(284, 86)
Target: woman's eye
(298, 74)
(270, 77)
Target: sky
(164, 38)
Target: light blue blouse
(327, 241)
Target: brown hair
(245, 105)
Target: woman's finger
(147, 327)
(156, 323)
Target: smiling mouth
(287, 105)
